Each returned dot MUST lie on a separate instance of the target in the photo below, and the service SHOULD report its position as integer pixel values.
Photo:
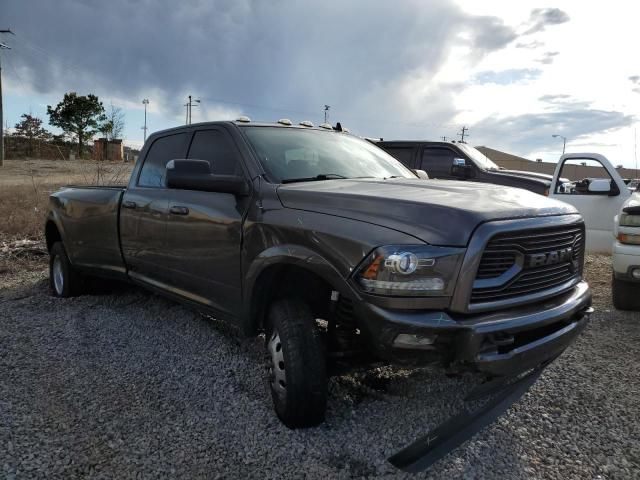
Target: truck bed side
(87, 219)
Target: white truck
(626, 255)
(598, 196)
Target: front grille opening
(519, 339)
(528, 336)
(552, 268)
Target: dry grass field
(25, 186)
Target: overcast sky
(513, 72)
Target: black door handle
(129, 204)
(179, 210)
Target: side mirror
(421, 174)
(460, 169)
(196, 175)
(602, 186)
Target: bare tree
(113, 125)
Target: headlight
(628, 220)
(410, 270)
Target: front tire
(297, 364)
(64, 280)
(626, 295)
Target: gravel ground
(128, 384)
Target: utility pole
(2, 47)
(190, 104)
(463, 133)
(326, 112)
(145, 102)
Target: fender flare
(54, 218)
(289, 255)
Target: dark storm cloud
(289, 55)
(530, 132)
(541, 18)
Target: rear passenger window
(404, 155)
(162, 150)
(215, 147)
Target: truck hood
(541, 177)
(439, 212)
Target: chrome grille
(528, 261)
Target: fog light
(635, 273)
(411, 340)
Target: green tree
(78, 116)
(30, 127)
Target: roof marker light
(285, 121)
(243, 119)
(306, 123)
(326, 126)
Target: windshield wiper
(322, 176)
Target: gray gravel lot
(128, 384)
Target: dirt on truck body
(341, 256)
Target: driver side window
(437, 162)
(579, 176)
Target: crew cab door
(588, 173)
(405, 154)
(204, 229)
(438, 161)
(144, 211)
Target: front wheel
(297, 364)
(626, 295)
(64, 280)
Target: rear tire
(64, 280)
(297, 360)
(626, 295)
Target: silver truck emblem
(549, 258)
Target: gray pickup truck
(340, 256)
(459, 161)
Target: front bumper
(497, 343)
(625, 257)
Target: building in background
(112, 150)
(574, 172)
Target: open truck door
(596, 190)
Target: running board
(427, 450)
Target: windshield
(477, 156)
(294, 154)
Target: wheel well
(288, 281)
(52, 234)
